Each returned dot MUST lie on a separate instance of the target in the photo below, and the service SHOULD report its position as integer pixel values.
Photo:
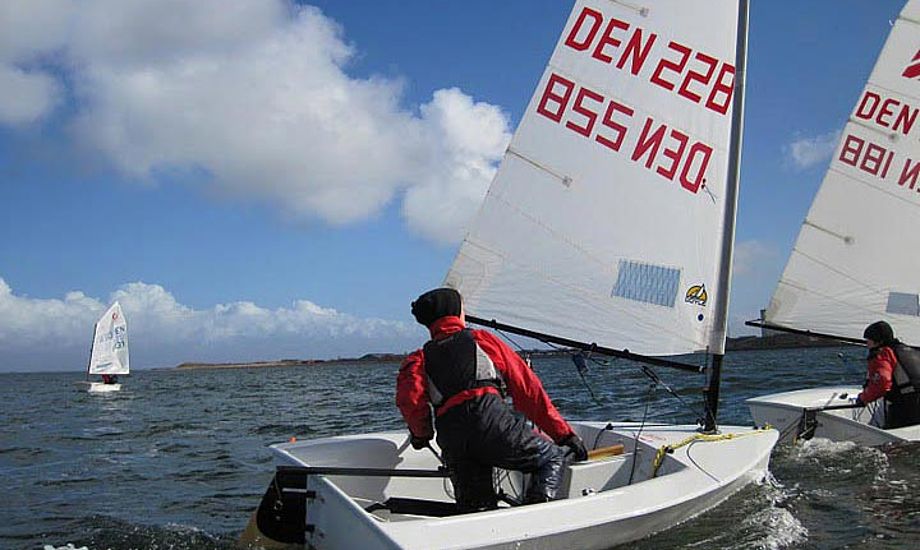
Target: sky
(263, 179)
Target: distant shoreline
(780, 341)
(743, 343)
(368, 358)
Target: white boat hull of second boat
(784, 411)
(100, 387)
(602, 508)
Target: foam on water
(108, 532)
(783, 528)
(759, 516)
(843, 458)
(821, 447)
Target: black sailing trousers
(485, 432)
(903, 410)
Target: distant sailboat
(109, 355)
(855, 260)
(610, 222)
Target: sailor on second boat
(894, 372)
(463, 374)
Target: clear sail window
(653, 284)
(902, 303)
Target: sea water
(179, 459)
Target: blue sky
(138, 161)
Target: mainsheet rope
(668, 449)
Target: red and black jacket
(882, 363)
(894, 371)
(414, 388)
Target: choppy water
(178, 460)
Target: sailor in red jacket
(463, 375)
(893, 373)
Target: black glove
(419, 443)
(576, 447)
(858, 402)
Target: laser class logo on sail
(697, 295)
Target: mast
(89, 360)
(720, 320)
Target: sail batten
(854, 260)
(605, 220)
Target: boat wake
(108, 532)
(760, 516)
(845, 460)
(866, 492)
(820, 447)
(783, 528)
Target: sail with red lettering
(110, 343)
(610, 219)
(855, 260)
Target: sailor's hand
(858, 402)
(419, 443)
(576, 446)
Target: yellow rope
(665, 449)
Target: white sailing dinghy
(855, 260)
(109, 354)
(609, 225)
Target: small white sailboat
(854, 261)
(609, 225)
(827, 412)
(109, 355)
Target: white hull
(784, 412)
(100, 387)
(616, 513)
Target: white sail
(110, 343)
(856, 258)
(604, 222)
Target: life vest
(455, 364)
(906, 376)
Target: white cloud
(32, 28)
(751, 257)
(470, 139)
(29, 31)
(808, 152)
(255, 94)
(25, 97)
(756, 269)
(54, 334)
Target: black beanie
(434, 304)
(879, 332)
